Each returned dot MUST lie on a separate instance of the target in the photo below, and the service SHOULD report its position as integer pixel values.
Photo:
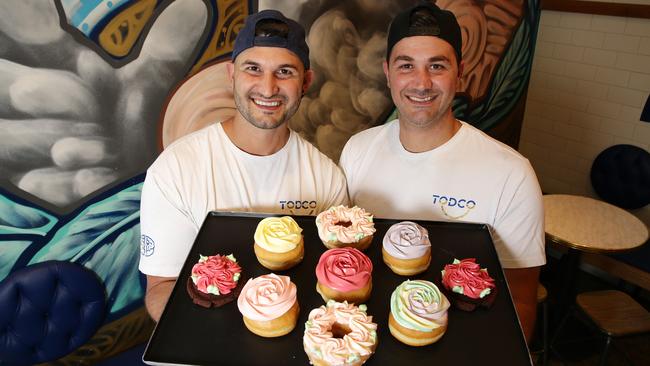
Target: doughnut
(214, 280)
(344, 274)
(339, 333)
(406, 248)
(418, 313)
(279, 243)
(468, 285)
(269, 305)
(341, 226)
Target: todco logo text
(453, 207)
(305, 207)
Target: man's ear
(385, 67)
(461, 67)
(307, 80)
(231, 71)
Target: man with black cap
(251, 162)
(428, 165)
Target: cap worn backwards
(285, 33)
(425, 19)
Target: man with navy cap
(428, 165)
(251, 162)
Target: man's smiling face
(423, 75)
(268, 83)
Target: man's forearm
(527, 316)
(523, 284)
(156, 298)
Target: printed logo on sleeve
(453, 207)
(147, 246)
(299, 207)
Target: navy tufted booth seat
(620, 175)
(47, 310)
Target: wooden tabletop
(591, 225)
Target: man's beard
(245, 111)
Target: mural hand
(71, 120)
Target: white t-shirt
(470, 178)
(205, 171)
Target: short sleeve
(346, 164)
(518, 229)
(339, 189)
(167, 233)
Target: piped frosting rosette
(419, 305)
(278, 234)
(467, 278)
(343, 224)
(216, 274)
(344, 269)
(340, 334)
(406, 240)
(267, 297)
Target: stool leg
(566, 277)
(558, 330)
(556, 334)
(603, 356)
(545, 333)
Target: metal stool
(615, 313)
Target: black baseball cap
(425, 19)
(293, 39)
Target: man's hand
(523, 284)
(158, 291)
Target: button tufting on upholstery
(47, 310)
(620, 175)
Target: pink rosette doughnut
(344, 274)
(269, 305)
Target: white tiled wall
(590, 80)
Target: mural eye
(121, 33)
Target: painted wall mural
(92, 90)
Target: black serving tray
(191, 335)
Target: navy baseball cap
(425, 19)
(291, 36)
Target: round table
(584, 224)
(590, 225)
